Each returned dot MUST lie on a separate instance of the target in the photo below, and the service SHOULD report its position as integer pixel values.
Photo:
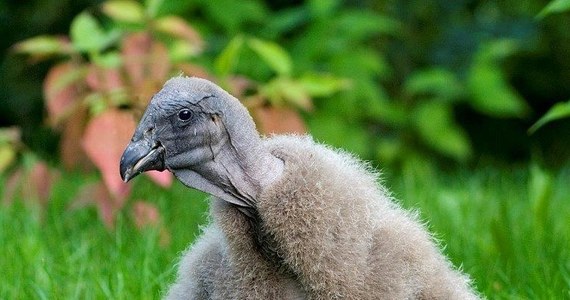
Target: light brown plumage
(323, 227)
(339, 233)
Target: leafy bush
(390, 82)
(110, 70)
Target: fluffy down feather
(326, 229)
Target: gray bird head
(184, 126)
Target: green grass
(59, 253)
(508, 228)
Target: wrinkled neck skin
(237, 173)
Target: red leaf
(61, 89)
(104, 141)
(278, 120)
(103, 79)
(144, 58)
(145, 214)
(134, 52)
(164, 179)
(33, 186)
(72, 155)
(99, 195)
(41, 179)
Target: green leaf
(359, 24)
(10, 135)
(153, 7)
(338, 132)
(558, 111)
(283, 90)
(496, 50)
(97, 104)
(228, 59)
(234, 15)
(556, 6)
(177, 27)
(108, 60)
(273, 55)
(285, 20)
(86, 33)
(181, 51)
(540, 189)
(491, 92)
(323, 85)
(389, 149)
(437, 128)
(7, 156)
(434, 82)
(323, 8)
(124, 11)
(43, 45)
(361, 63)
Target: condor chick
(291, 219)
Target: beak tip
(125, 170)
(126, 173)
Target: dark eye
(184, 114)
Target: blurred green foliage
(451, 80)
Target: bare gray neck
(240, 170)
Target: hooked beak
(140, 156)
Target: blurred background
(459, 81)
(431, 88)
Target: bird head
(184, 126)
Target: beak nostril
(148, 131)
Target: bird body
(291, 218)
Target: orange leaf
(61, 89)
(145, 214)
(164, 179)
(278, 120)
(104, 140)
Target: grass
(60, 253)
(508, 228)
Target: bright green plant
(388, 114)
